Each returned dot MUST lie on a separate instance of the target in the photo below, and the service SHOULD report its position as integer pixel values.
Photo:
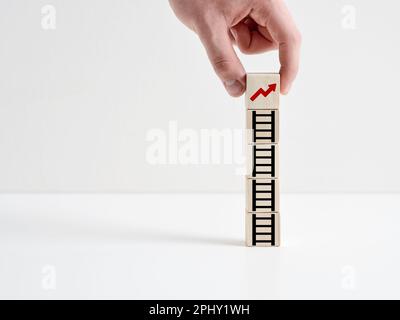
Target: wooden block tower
(262, 183)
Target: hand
(255, 26)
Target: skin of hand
(254, 26)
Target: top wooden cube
(262, 91)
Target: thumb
(217, 42)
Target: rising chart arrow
(271, 88)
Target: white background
(76, 103)
(76, 106)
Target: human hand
(255, 26)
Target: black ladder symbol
(263, 192)
(263, 125)
(267, 222)
(264, 160)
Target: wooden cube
(263, 229)
(262, 126)
(262, 195)
(262, 91)
(263, 161)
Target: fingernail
(234, 87)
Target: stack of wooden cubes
(262, 183)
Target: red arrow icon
(271, 88)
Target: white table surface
(190, 246)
